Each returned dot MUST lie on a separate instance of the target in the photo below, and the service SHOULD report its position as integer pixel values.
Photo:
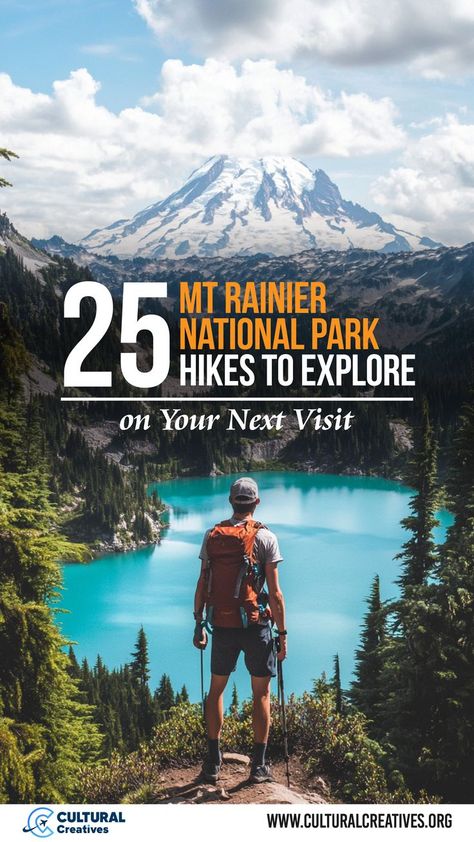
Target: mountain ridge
(246, 206)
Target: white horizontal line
(224, 399)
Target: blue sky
(43, 41)
(386, 110)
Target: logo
(37, 823)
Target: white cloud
(435, 185)
(263, 110)
(436, 37)
(83, 166)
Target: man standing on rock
(238, 556)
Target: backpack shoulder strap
(256, 525)
(221, 523)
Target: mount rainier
(245, 206)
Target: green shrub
(330, 743)
(179, 738)
(337, 745)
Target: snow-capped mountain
(33, 259)
(244, 206)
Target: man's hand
(199, 637)
(282, 647)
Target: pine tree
(8, 155)
(367, 691)
(13, 355)
(73, 666)
(164, 695)
(182, 696)
(45, 730)
(145, 717)
(407, 673)
(418, 556)
(140, 660)
(234, 704)
(450, 745)
(336, 682)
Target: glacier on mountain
(244, 206)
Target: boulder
(232, 757)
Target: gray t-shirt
(266, 546)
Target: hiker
(238, 556)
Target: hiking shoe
(260, 775)
(210, 771)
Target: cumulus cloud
(83, 166)
(435, 184)
(436, 37)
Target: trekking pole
(281, 701)
(203, 701)
(208, 629)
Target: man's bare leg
(215, 706)
(214, 720)
(261, 708)
(261, 727)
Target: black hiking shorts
(256, 642)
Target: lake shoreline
(109, 546)
(335, 534)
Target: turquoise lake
(335, 534)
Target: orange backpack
(235, 579)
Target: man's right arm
(200, 594)
(200, 634)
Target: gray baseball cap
(244, 490)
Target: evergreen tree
(13, 355)
(7, 154)
(336, 682)
(122, 708)
(164, 695)
(407, 673)
(450, 746)
(182, 696)
(140, 660)
(234, 704)
(367, 690)
(73, 667)
(45, 731)
(418, 555)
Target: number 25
(132, 324)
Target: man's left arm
(277, 606)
